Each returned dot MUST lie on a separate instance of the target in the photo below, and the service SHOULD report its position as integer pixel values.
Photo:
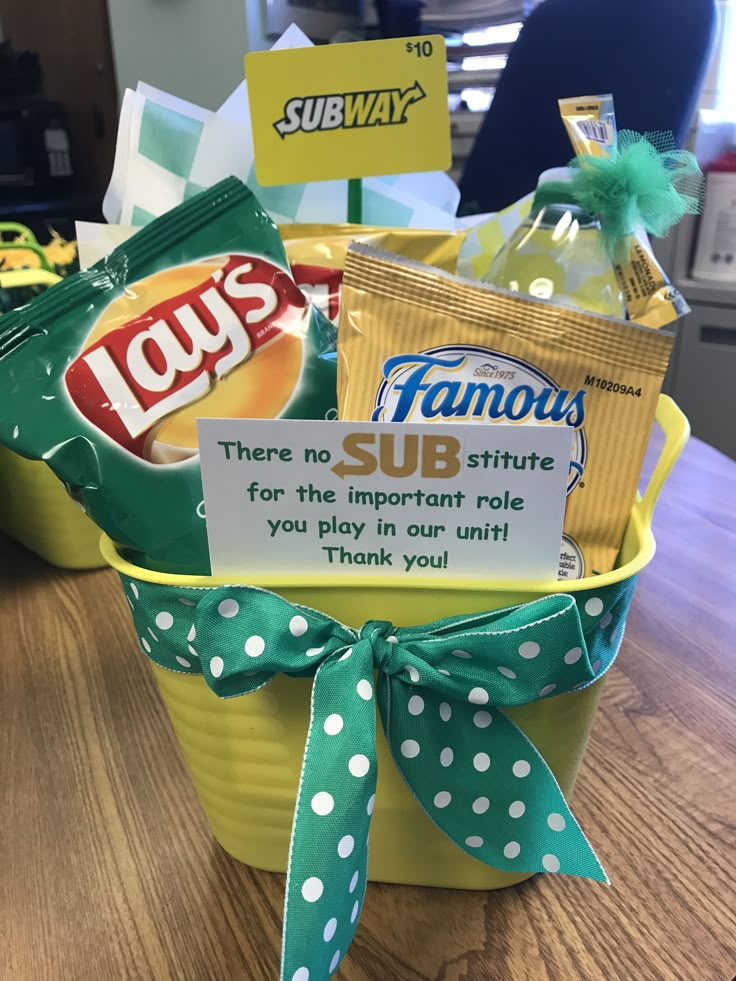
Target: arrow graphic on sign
(343, 469)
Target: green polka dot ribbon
(440, 688)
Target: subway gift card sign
(349, 110)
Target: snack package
(418, 344)
(104, 375)
(316, 254)
(590, 122)
(650, 298)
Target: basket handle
(28, 247)
(23, 233)
(28, 277)
(673, 422)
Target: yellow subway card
(349, 110)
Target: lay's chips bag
(104, 375)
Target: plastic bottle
(557, 253)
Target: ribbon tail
(328, 856)
(484, 784)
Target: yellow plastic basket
(36, 511)
(244, 754)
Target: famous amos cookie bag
(104, 376)
(416, 344)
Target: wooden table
(109, 871)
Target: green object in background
(22, 251)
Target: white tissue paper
(168, 150)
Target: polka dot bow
(441, 689)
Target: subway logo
(348, 110)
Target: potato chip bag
(104, 375)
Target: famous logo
(133, 375)
(444, 384)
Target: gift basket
(413, 725)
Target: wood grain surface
(108, 871)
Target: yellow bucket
(36, 511)
(244, 754)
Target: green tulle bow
(646, 183)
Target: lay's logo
(140, 372)
(444, 384)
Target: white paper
(148, 185)
(275, 504)
(112, 204)
(236, 107)
(293, 37)
(432, 186)
(96, 240)
(149, 180)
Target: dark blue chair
(651, 54)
